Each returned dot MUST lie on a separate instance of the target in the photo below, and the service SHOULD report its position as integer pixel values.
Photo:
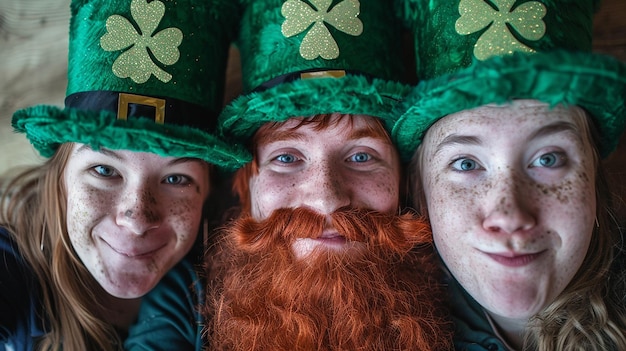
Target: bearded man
(319, 259)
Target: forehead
(509, 118)
(347, 126)
(132, 159)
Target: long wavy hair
(34, 212)
(590, 314)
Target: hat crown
(282, 37)
(470, 53)
(143, 75)
(173, 49)
(452, 34)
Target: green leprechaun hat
(302, 58)
(143, 76)
(471, 53)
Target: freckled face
(342, 165)
(131, 216)
(510, 195)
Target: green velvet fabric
(47, 127)
(470, 53)
(597, 83)
(279, 38)
(441, 46)
(168, 49)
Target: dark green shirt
(169, 318)
(473, 332)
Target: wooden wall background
(33, 68)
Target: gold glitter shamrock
(318, 41)
(498, 40)
(136, 62)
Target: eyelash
(183, 181)
(559, 161)
(97, 173)
(284, 155)
(560, 158)
(458, 162)
(369, 157)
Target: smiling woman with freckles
(536, 244)
(505, 136)
(120, 200)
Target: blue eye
(465, 164)
(360, 157)
(286, 158)
(177, 179)
(104, 171)
(552, 159)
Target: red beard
(384, 295)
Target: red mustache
(397, 233)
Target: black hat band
(161, 110)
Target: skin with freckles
(325, 169)
(131, 215)
(324, 258)
(510, 193)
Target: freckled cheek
(267, 195)
(184, 217)
(574, 200)
(383, 192)
(86, 206)
(447, 204)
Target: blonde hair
(590, 314)
(34, 211)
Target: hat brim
(352, 94)
(47, 127)
(594, 82)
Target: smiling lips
(514, 260)
(136, 253)
(333, 239)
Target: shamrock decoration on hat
(318, 41)
(471, 53)
(143, 76)
(303, 58)
(136, 62)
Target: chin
(129, 288)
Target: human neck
(121, 313)
(509, 329)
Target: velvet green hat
(143, 76)
(302, 58)
(471, 53)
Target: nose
(139, 210)
(510, 209)
(326, 189)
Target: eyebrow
(354, 135)
(116, 156)
(367, 133)
(557, 127)
(547, 130)
(457, 139)
(184, 160)
(284, 136)
(101, 150)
